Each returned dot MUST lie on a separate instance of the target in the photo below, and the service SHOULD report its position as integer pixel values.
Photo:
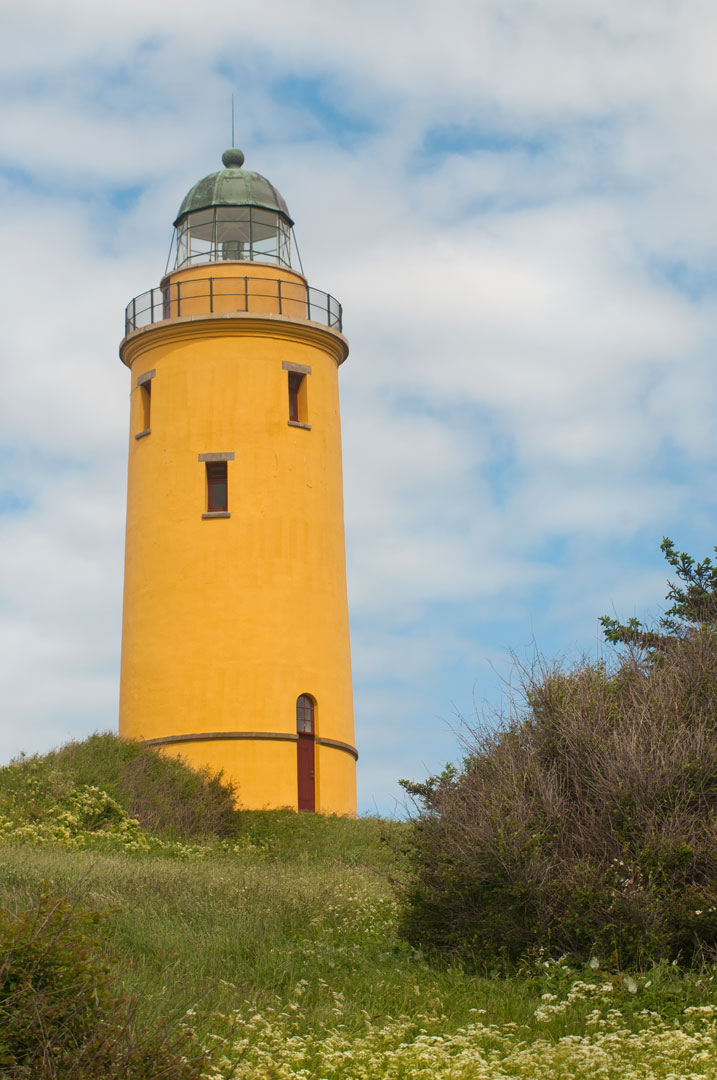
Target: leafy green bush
(693, 600)
(585, 825)
(61, 1012)
(167, 797)
(86, 814)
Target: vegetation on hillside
(585, 823)
(223, 945)
(283, 956)
(106, 790)
(63, 1014)
(693, 598)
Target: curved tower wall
(228, 619)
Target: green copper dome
(233, 186)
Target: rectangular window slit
(296, 396)
(216, 486)
(145, 404)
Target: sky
(516, 204)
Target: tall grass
(61, 1013)
(280, 948)
(288, 957)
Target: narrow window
(216, 487)
(145, 398)
(144, 393)
(298, 393)
(304, 715)
(295, 381)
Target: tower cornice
(233, 324)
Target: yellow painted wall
(255, 287)
(228, 620)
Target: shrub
(61, 1012)
(167, 797)
(584, 825)
(86, 813)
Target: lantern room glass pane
(201, 224)
(265, 225)
(233, 232)
(241, 233)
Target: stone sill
(297, 423)
(217, 514)
(141, 434)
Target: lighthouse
(235, 635)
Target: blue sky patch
(443, 139)
(694, 280)
(318, 97)
(124, 198)
(10, 503)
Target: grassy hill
(274, 938)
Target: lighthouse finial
(233, 158)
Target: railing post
(211, 296)
(328, 310)
(151, 305)
(246, 293)
(134, 313)
(308, 304)
(278, 290)
(179, 300)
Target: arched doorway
(305, 752)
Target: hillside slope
(279, 946)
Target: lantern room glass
(236, 233)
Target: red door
(305, 771)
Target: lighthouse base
(246, 758)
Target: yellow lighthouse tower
(235, 637)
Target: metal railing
(227, 295)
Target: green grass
(282, 943)
(169, 799)
(304, 937)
